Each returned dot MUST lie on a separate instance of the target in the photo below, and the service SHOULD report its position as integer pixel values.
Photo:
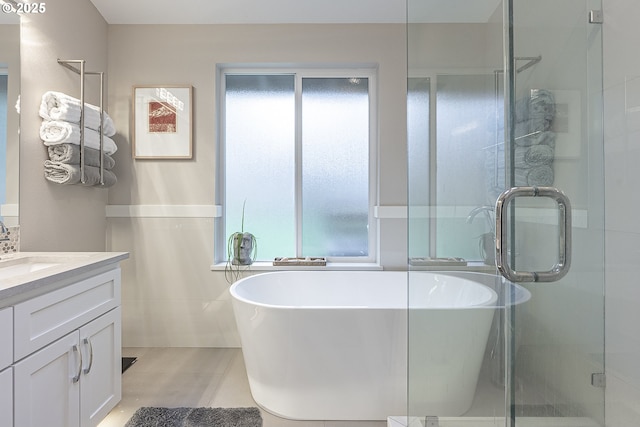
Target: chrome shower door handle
(561, 268)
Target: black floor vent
(127, 362)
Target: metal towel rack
(67, 63)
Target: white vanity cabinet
(6, 337)
(6, 371)
(6, 397)
(67, 353)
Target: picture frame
(567, 124)
(162, 122)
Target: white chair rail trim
(163, 211)
(212, 211)
(542, 216)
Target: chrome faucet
(487, 240)
(488, 211)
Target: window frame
(299, 72)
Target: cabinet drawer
(6, 337)
(48, 317)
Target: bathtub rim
(521, 294)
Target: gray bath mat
(195, 417)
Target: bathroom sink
(19, 266)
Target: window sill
(357, 266)
(476, 266)
(268, 266)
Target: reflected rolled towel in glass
(542, 103)
(536, 155)
(537, 176)
(537, 138)
(539, 103)
(534, 114)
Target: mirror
(9, 117)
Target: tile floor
(216, 377)
(212, 377)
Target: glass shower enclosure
(506, 191)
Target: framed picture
(162, 122)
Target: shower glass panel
(557, 361)
(454, 110)
(504, 95)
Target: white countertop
(64, 266)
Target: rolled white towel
(60, 132)
(70, 154)
(59, 106)
(62, 173)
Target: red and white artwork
(162, 118)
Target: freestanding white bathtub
(332, 345)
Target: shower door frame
(593, 142)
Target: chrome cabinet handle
(564, 221)
(76, 378)
(87, 342)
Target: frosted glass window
(335, 166)
(296, 154)
(260, 160)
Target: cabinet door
(47, 387)
(6, 337)
(100, 385)
(6, 398)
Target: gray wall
(622, 154)
(58, 217)
(171, 296)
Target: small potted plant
(242, 249)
